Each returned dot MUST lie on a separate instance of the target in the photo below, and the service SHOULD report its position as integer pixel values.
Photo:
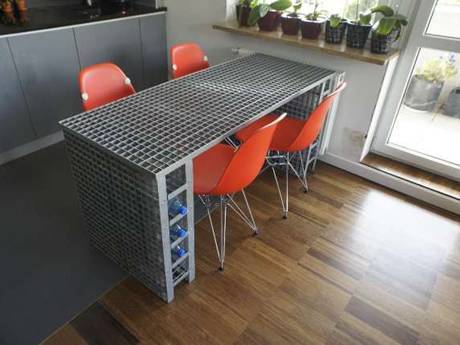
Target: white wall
(192, 21)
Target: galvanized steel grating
(173, 121)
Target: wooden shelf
(334, 49)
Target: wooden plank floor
(406, 172)
(353, 264)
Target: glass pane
(347, 8)
(445, 20)
(428, 121)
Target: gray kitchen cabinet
(118, 42)
(15, 126)
(48, 68)
(154, 49)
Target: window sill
(363, 55)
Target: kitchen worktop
(60, 16)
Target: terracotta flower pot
(311, 29)
(242, 14)
(357, 35)
(270, 22)
(290, 24)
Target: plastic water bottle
(175, 207)
(178, 232)
(178, 252)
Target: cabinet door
(154, 49)
(118, 42)
(48, 67)
(15, 126)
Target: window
(345, 8)
(445, 19)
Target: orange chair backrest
(247, 161)
(103, 83)
(315, 122)
(187, 58)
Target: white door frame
(417, 39)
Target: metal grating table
(132, 156)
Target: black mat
(49, 272)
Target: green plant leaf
(386, 25)
(387, 11)
(281, 5)
(402, 19)
(263, 10)
(254, 15)
(365, 18)
(297, 5)
(335, 20)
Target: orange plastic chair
(103, 83)
(293, 136)
(224, 170)
(187, 58)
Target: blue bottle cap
(182, 210)
(181, 232)
(181, 252)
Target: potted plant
(8, 12)
(290, 22)
(335, 29)
(426, 84)
(386, 30)
(267, 16)
(311, 25)
(358, 30)
(21, 6)
(243, 9)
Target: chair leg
(279, 190)
(223, 231)
(248, 220)
(225, 202)
(287, 187)
(304, 167)
(220, 249)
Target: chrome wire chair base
(279, 159)
(225, 202)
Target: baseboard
(28, 148)
(395, 183)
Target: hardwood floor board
(441, 327)
(335, 264)
(447, 292)
(451, 267)
(299, 319)
(381, 321)
(97, 327)
(351, 330)
(291, 236)
(66, 335)
(403, 278)
(382, 298)
(316, 293)
(354, 264)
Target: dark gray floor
(48, 270)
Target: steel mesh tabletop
(163, 125)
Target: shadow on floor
(49, 272)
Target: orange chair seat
(285, 134)
(209, 167)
